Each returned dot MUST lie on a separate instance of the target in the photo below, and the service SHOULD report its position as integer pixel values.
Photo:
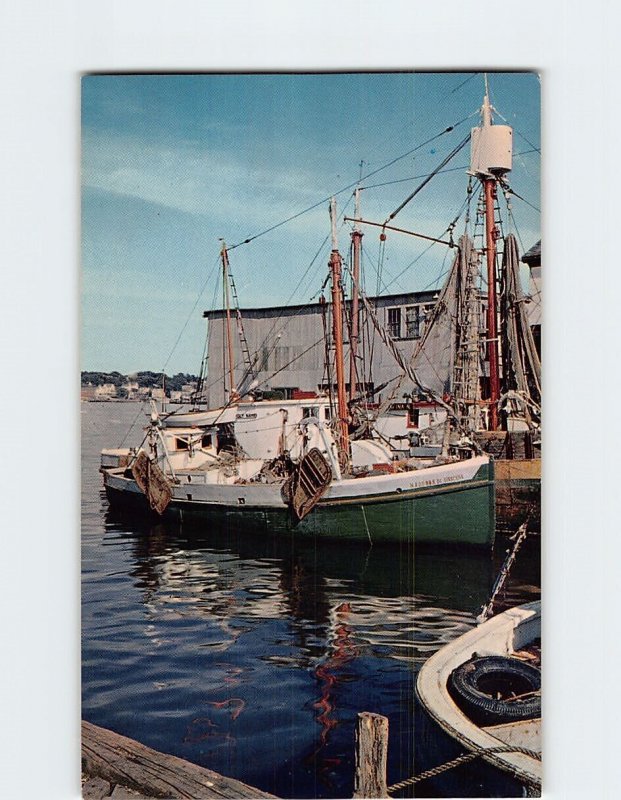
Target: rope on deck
(463, 759)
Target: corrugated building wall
(288, 349)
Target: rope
(463, 759)
(366, 525)
(519, 536)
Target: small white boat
(500, 643)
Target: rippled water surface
(252, 655)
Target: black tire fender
(476, 684)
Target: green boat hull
(457, 514)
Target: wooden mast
(491, 157)
(229, 340)
(489, 186)
(356, 238)
(337, 328)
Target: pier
(121, 768)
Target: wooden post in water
(371, 755)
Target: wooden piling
(371, 755)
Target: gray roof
(533, 256)
(403, 298)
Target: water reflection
(253, 654)
(395, 602)
(352, 625)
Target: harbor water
(252, 655)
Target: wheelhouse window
(394, 322)
(413, 418)
(181, 444)
(206, 441)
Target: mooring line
(364, 516)
(463, 759)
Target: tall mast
(337, 328)
(489, 186)
(356, 238)
(491, 155)
(229, 339)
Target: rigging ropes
(522, 364)
(450, 128)
(424, 183)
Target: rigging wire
(519, 133)
(350, 185)
(523, 199)
(276, 321)
(131, 427)
(204, 362)
(303, 309)
(426, 250)
(528, 141)
(188, 319)
(289, 363)
(463, 83)
(411, 196)
(463, 167)
(512, 219)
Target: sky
(173, 164)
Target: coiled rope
(463, 759)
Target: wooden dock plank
(120, 760)
(123, 793)
(96, 789)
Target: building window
(412, 322)
(394, 322)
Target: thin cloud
(194, 178)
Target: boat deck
(525, 733)
(512, 632)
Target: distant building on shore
(105, 392)
(87, 392)
(131, 389)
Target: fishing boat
(483, 690)
(306, 465)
